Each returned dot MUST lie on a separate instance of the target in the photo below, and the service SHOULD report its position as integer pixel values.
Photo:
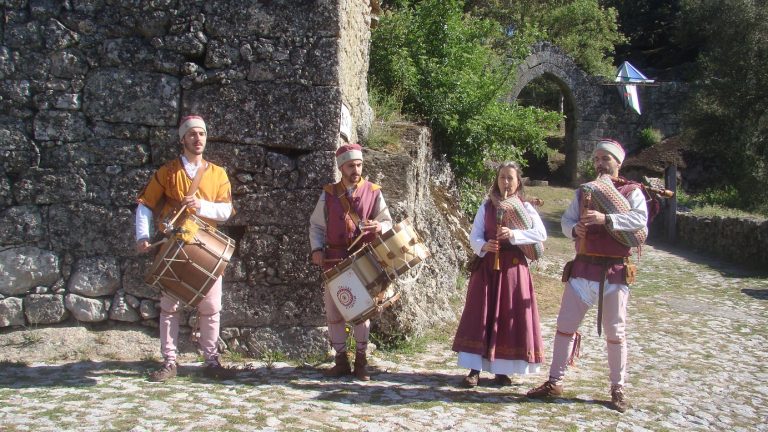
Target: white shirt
(633, 220)
(537, 234)
(219, 212)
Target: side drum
(190, 261)
(399, 249)
(355, 284)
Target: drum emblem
(345, 296)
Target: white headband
(611, 147)
(348, 156)
(189, 123)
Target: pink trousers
(572, 311)
(336, 328)
(208, 312)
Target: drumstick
(157, 243)
(181, 210)
(363, 232)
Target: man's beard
(192, 148)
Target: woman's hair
(519, 172)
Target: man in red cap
(348, 209)
(600, 268)
(165, 194)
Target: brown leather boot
(361, 367)
(546, 390)
(619, 401)
(166, 372)
(341, 368)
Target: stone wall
(91, 92)
(409, 179)
(739, 240)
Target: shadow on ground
(385, 389)
(732, 270)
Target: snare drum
(190, 261)
(355, 283)
(399, 249)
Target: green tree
(727, 118)
(584, 29)
(446, 67)
(652, 28)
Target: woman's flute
(499, 221)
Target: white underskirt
(498, 366)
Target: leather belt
(601, 260)
(605, 262)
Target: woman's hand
(504, 234)
(491, 246)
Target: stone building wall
(91, 92)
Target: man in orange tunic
(165, 193)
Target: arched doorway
(550, 70)
(552, 94)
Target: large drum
(190, 261)
(399, 249)
(355, 285)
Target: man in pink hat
(164, 195)
(346, 210)
(601, 264)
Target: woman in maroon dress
(499, 328)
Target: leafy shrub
(448, 68)
(472, 194)
(586, 171)
(649, 137)
(727, 196)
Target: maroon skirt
(500, 318)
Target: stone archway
(548, 61)
(593, 107)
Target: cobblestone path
(697, 346)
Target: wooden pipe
(499, 221)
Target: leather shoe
(502, 380)
(218, 372)
(471, 380)
(619, 401)
(548, 389)
(166, 372)
(341, 368)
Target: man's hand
(370, 226)
(142, 246)
(491, 246)
(580, 231)
(593, 217)
(318, 257)
(191, 202)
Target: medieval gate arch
(594, 109)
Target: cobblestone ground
(697, 344)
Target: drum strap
(198, 178)
(192, 188)
(341, 194)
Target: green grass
(384, 134)
(712, 210)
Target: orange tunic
(170, 183)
